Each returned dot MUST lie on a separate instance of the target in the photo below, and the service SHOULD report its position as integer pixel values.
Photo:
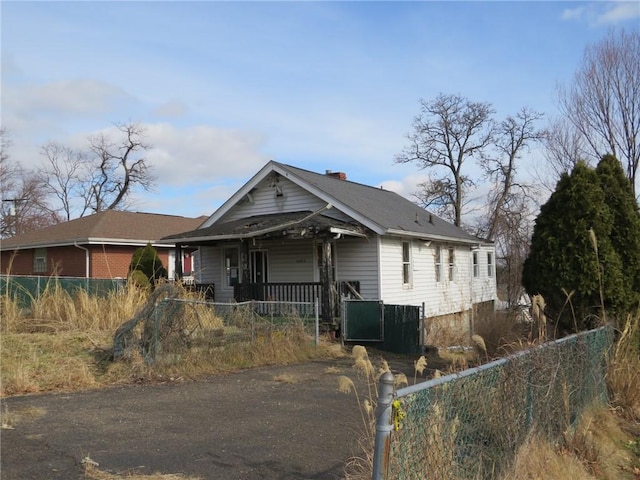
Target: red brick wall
(17, 263)
(113, 261)
(105, 262)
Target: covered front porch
(289, 257)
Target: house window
(490, 264)
(231, 266)
(438, 263)
(452, 264)
(476, 266)
(406, 263)
(40, 260)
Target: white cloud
(202, 154)
(603, 13)
(71, 97)
(172, 108)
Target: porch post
(244, 263)
(327, 296)
(178, 262)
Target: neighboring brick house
(96, 246)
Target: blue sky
(223, 87)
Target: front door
(259, 266)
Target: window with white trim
(452, 264)
(406, 263)
(232, 266)
(490, 264)
(476, 265)
(40, 260)
(438, 263)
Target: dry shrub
(42, 362)
(537, 459)
(624, 367)
(595, 448)
(499, 329)
(57, 310)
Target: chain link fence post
(383, 426)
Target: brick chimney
(338, 175)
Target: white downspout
(86, 258)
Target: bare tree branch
(449, 130)
(603, 102)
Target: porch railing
(293, 292)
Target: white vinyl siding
(357, 259)
(484, 286)
(265, 201)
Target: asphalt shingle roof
(111, 226)
(383, 207)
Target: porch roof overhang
(292, 225)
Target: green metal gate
(393, 328)
(363, 321)
(402, 327)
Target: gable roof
(382, 211)
(107, 227)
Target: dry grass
(92, 472)
(606, 442)
(64, 343)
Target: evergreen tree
(562, 259)
(148, 262)
(625, 234)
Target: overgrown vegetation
(64, 342)
(603, 444)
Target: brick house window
(40, 260)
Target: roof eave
(440, 238)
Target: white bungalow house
(292, 234)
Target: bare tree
(449, 131)
(64, 177)
(120, 167)
(513, 136)
(102, 177)
(603, 102)
(24, 206)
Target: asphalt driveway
(246, 425)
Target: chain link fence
(176, 324)
(26, 289)
(470, 425)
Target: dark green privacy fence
(393, 328)
(27, 288)
(470, 425)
